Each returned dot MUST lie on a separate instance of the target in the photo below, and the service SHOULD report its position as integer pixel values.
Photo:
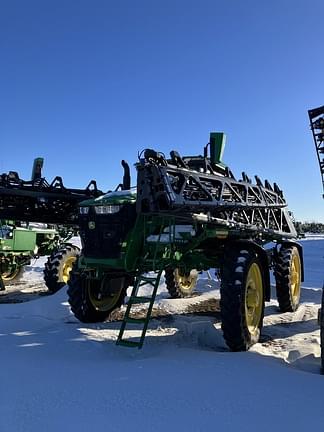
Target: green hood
(112, 198)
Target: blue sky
(88, 83)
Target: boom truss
(210, 193)
(39, 201)
(316, 117)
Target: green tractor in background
(186, 215)
(21, 242)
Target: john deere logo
(92, 225)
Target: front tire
(11, 269)
(287, 273)
(87, 301)
(179, 284)
(242, 298)
(58, 267)
(12, 276)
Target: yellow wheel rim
(295, 277)
(67, 267)
(186, 282)
(253, 298)
(100, 302)
(9, 276)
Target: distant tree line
(310, 227)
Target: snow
(58, 374)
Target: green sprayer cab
(105, 224)
(186, 215)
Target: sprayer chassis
(188, 213)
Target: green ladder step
(128, 343)
(148, 279)
(135, 299)
(139, 300)
(135, 320)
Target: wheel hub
(100, 301)
(186, 281)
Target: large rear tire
(87, 301)
(58, 267)
(287, 272)
(242, 298)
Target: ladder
(135, 299)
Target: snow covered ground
(58, 374)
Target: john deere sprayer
(316, 117)
(186, 215)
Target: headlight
(83, 210)
(107, 209)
